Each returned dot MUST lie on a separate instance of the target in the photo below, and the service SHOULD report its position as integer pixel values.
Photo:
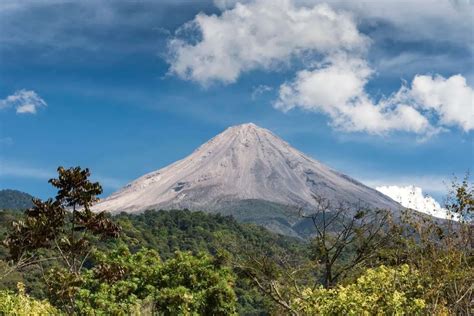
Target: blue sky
(381, 91)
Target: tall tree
(345, 237)
(345, 240)
(62, 228)
(442, 250)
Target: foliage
(49, 224)
(61, 229)
(21, 304)
(344, 242)
(119, 283)
(358, 262)
(460, 200)
(379, 291)
(171, 231)
(442, 251)
(184, 230)
(208, 285)
(346, 237)
(125, 283)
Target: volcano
(247, 172)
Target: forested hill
(171, 231)
(210, 264)
(184, 230)
(14, 199)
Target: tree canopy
(60, 257)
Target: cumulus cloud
(332, 60)
(412, 197)
(337, 89)
(449, 98)
(260, 35)
(23, 101)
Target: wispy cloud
(6, 141)
(59, 26)
(23, 101)
(18, 170)
(108, 182)
(259, 90)
(22, 170)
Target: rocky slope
(248, 172)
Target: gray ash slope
(248, 172)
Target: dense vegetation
(166, 232)
(191, 263)
(14, 200)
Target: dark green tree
(141, 283)
(62, 229)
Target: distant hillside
(14, 199)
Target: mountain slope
(244, 164)
(14, 199)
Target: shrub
(20, 304)
(379, 291)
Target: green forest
(60, 258)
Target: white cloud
(451, 99)
(264, 34)
(329, 86)
(412, 197)
(259, 90)
(432, 20)
(337, 89)
(23, 101)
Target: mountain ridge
(15, 199)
